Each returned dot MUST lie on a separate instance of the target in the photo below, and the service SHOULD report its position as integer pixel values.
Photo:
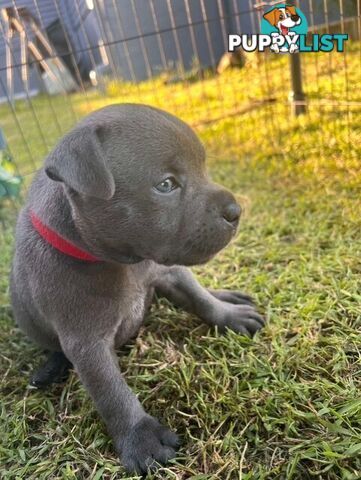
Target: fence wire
(167, 53)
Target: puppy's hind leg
(54, 370)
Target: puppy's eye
(167, 185)
(281, 17)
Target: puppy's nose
(295, 18)
(231, 213)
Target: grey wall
(139, 59)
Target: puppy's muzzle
(295, 18)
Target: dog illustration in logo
(284, 19)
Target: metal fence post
(297, 97)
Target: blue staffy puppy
(121, 207)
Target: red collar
(60, 243)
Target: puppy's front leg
(225, 309)
(139, 439)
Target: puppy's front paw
(147, 444)
(232, 296)
(243, 319)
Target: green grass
(284, 405)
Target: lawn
(284, 405)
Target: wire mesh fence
(60, 59)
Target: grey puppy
(128, 187)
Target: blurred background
(60, 59)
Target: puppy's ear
(79, 162)
(291, 9)
(271, 17)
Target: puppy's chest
(132, 308)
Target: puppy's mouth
(284, 30)
(200, 260)
(200, 251)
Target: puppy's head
(136, 180)
(283, 18)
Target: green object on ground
(10, 183)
